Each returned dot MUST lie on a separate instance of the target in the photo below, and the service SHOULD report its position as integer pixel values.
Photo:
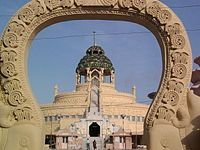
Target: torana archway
(20, 116)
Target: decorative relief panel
(137, 4)
(179, 71)
(13, 92)
(179, 57)
(37, 7)
(72, 101)
(16, 98)
(26, 15)
(11, 40)
(154, 9)
(174, 29)
(165, 113)
(13, 33)
(11, 85)
(172, 94)
(33, 10)
(17, 28)
(8, 56)
(8, 69)
(53, 4)
(96, 2)
(178, 41)
(24, 142)
(171, 97)
(180, 60)
(164, 16)
(173, 85)
(161, 13)
(23, 114)
(164, 142)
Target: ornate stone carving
(7, 56)
(67, 3)
(179, 71)
(161, 112)
(179, 57)
(16, 28)
(164, 142)
(53, 4)
(23, 114)
(16, 98)
(154, 9)
(8, 69)
(138, 4)
(24, 142)
(171, 97)
(26, 15)
(37, 8)
(71, 101)
(12, 85)
(165, 113)
(11, 40)
(173, 85)
(126, 3)
(178, 41)
(173, 29)
(12, 90)
(96, 2)
(163, 15)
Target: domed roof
(95, 58)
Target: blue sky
(136, 57)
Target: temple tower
(94, 69)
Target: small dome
(95, 58)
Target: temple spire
(94, 38)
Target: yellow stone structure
(94, 101)
(174, 107)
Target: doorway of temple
(94, 130)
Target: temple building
(95, 110)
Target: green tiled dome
(95, 58)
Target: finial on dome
(94, 38)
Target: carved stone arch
(18, 101)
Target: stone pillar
(134, 90)
(112, 77)
(55, 90)
(102, 75)
(88, 78)
(78, 78)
